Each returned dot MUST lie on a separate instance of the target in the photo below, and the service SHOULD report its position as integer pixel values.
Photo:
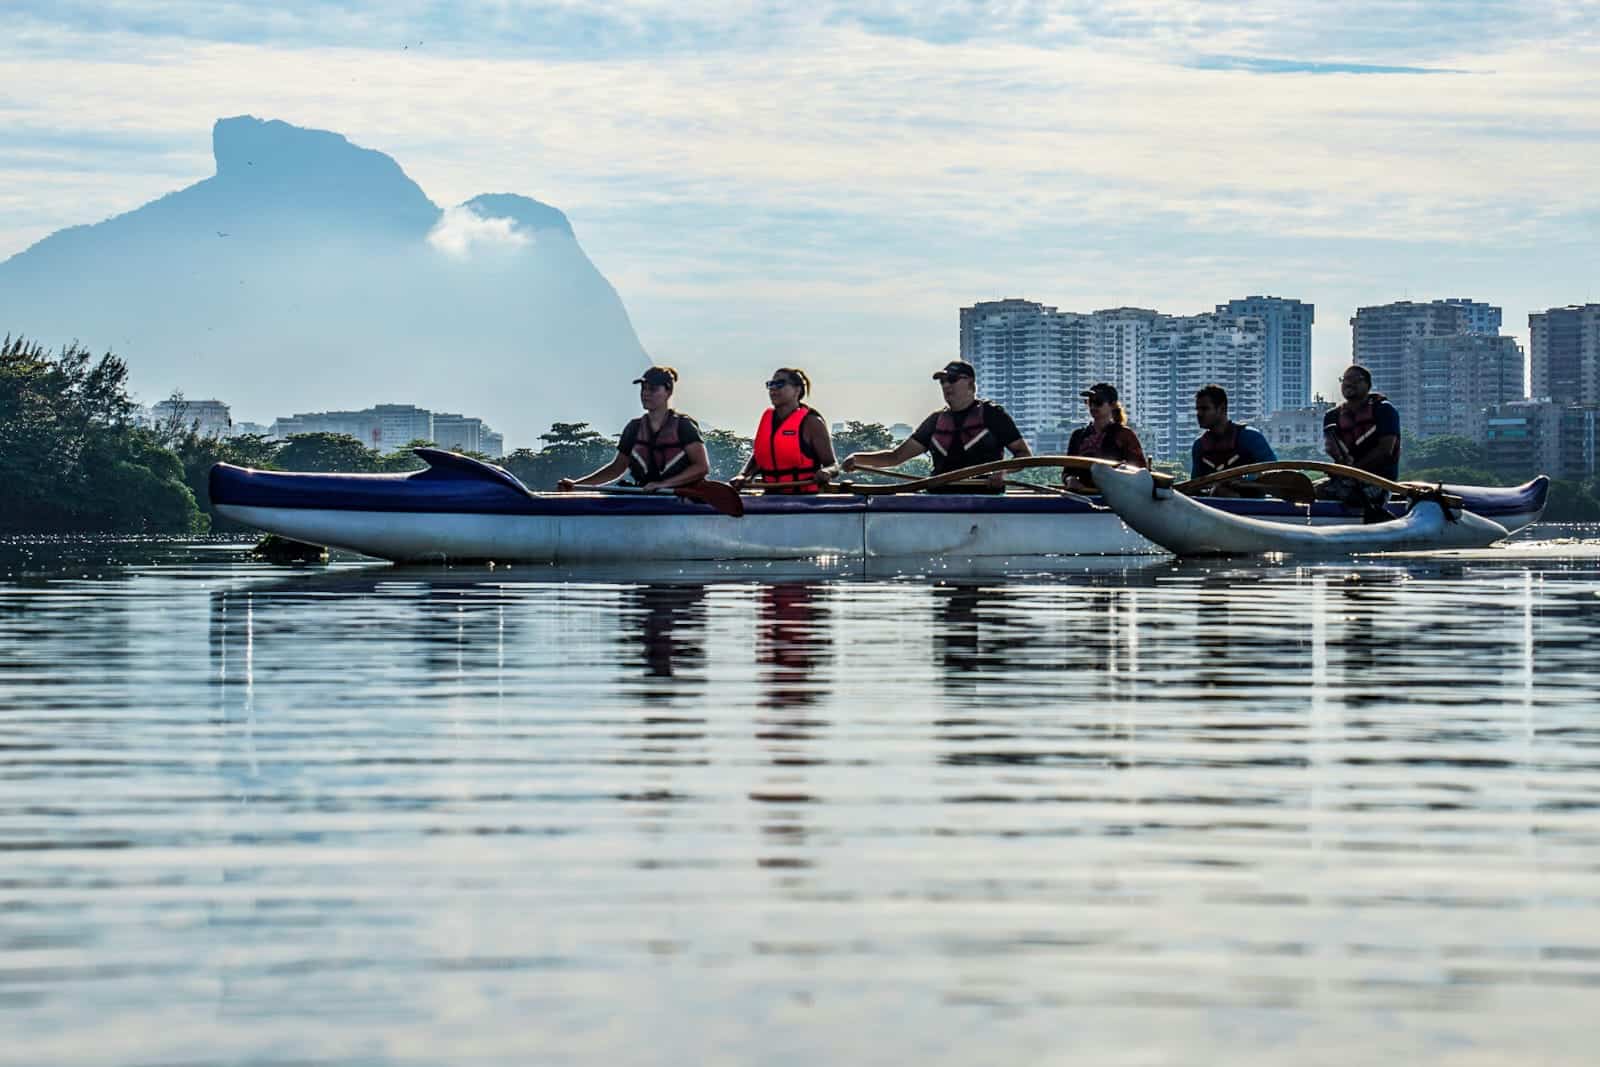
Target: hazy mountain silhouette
(309, 273)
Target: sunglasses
(779, 383)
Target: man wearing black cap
(965, 433)
(661, 449)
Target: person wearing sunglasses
(792, 443)
(1107, 435)
(660, 449)
(966, 432)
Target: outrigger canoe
(461, 509)
(1436, 520)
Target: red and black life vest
(1220, 451)
(781, 452)
(1358, 429)
(962, 439)
(656, 456)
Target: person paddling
(1107, 435)
(966, 432)
(792, 442)
(1224, 443)
(1362, 432)
(660, 449)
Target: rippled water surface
(1125, 811)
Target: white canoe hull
(419, 536)
(1187, 527)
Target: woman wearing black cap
(1108, 435)
(660, 449)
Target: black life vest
(781, 452)
(656, 456)
(962, 439)
(1111, 443)
(1358, 429)
(1219, 452)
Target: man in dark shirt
(1362, 432)
(965, 433)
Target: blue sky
(826, 183)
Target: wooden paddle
(1292, 486)
(1077, 463)
(719, 495)
(1411, 492)
(1050, 490)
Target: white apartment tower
(1286, 378)
(1186, 352)
(1031, 359)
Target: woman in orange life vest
(965, 433)
(792, 441)
(1107, 436)
(660, 449)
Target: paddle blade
(720, 495)
(1292, 486)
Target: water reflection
(667, 631)
(252, 816)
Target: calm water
(1125, 812)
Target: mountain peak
(271, 160)
(527, 213)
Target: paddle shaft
(1077, 463)
(1355, 474)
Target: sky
(825, 184)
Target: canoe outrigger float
(461, 509)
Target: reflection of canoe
(461, 509)
(1187, 527)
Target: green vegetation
(73, 460)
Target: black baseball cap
(658, 376)
(957, 368)
(1101, 393)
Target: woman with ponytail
(792, 443)
(1107, 436)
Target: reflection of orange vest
(780, 451)
(653, 458)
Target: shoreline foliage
(73, 460)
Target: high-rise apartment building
(1478, 317)
(1118, 337)
(1454, 377)
(1286, 377)
(1031, 359)
(1564, 353)
(1385, 337)
(1184, 353)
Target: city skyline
(818, 185)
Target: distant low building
(1295, 427)
(1522, 437)
(212, 416)
(388, 427)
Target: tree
(70, 457)
(571, 450)
(727, 452)
(327, 452)
(1440, 450)
(862, 437)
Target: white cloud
(835, 192)
(460, 230)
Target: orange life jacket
(656, 457)
(781, 452)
